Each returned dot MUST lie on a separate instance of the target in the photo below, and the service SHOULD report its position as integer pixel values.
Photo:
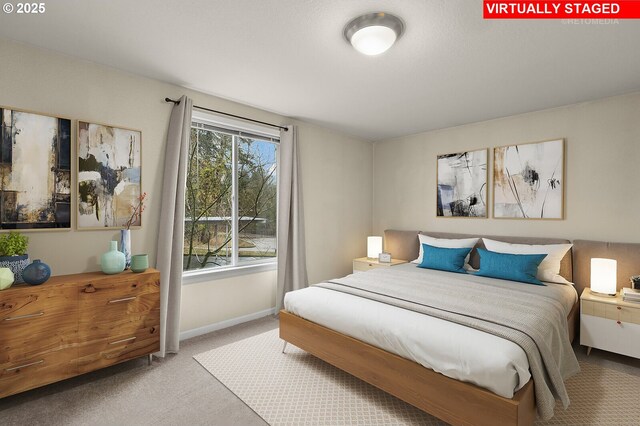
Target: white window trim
(212, 274)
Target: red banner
(516, 9)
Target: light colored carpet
(298, 389)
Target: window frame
(233, 126)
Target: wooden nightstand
(364, 264)
(609, 323)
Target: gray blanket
(520, 313)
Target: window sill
(195, 277)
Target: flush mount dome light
(373, 33)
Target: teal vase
(113, 261)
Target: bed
(447, 394)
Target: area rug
(296, 388)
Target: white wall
(602, 175)
(336, 173)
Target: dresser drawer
(602, 333)
(24, 304)
(114, 309)
(362, 266)
(37, 321)
(118, 348)
(37, 371)
(107, 322)
(616, 312)
(37, 336)
(117, 291)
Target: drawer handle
(618, 322)
(25, 365)
(619, 307)
(39, 314)
(89, 288)
(126, 299)
(123, 340)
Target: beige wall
(602, 173)
(336, 173)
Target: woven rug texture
(296, 388)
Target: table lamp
(374, 247)
(603, 276)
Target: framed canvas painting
(109, 170)
(528, 181)
(462, 184)
(35, 171)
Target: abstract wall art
(109, 170)
(528, 181)
(462, 184)
(35, 171)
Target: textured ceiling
(288, 56)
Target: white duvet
(451, 349)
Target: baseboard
(188, 334)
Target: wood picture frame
(35, 168)
(529, 180)
(109, 182)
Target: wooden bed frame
(455, 402)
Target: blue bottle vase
(36, 273)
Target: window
(231, 195)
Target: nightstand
(610, 324)
(365, 264)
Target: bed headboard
(405, 245)
(627, 255)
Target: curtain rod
(231, 115)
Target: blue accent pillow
(514, 267)
(444, 259)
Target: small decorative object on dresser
(74, 324)
(609, 323)
(37, 273)
(384, 257)
(635, 282)
(139, 262)
(6, 278)
(13, 253)
(113, 261)
(364, 264)
(125, 234)
(125, 246)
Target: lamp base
(596, 293)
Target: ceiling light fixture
(373, 33)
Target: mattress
(456, 351)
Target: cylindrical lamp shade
(603, 275)
(374, 247)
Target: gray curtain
(292, 266)
(171, 229)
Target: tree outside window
(231, 195)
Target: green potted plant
(13, 253)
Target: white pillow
(447, 243)
(549, 269)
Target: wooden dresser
(73, 324)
